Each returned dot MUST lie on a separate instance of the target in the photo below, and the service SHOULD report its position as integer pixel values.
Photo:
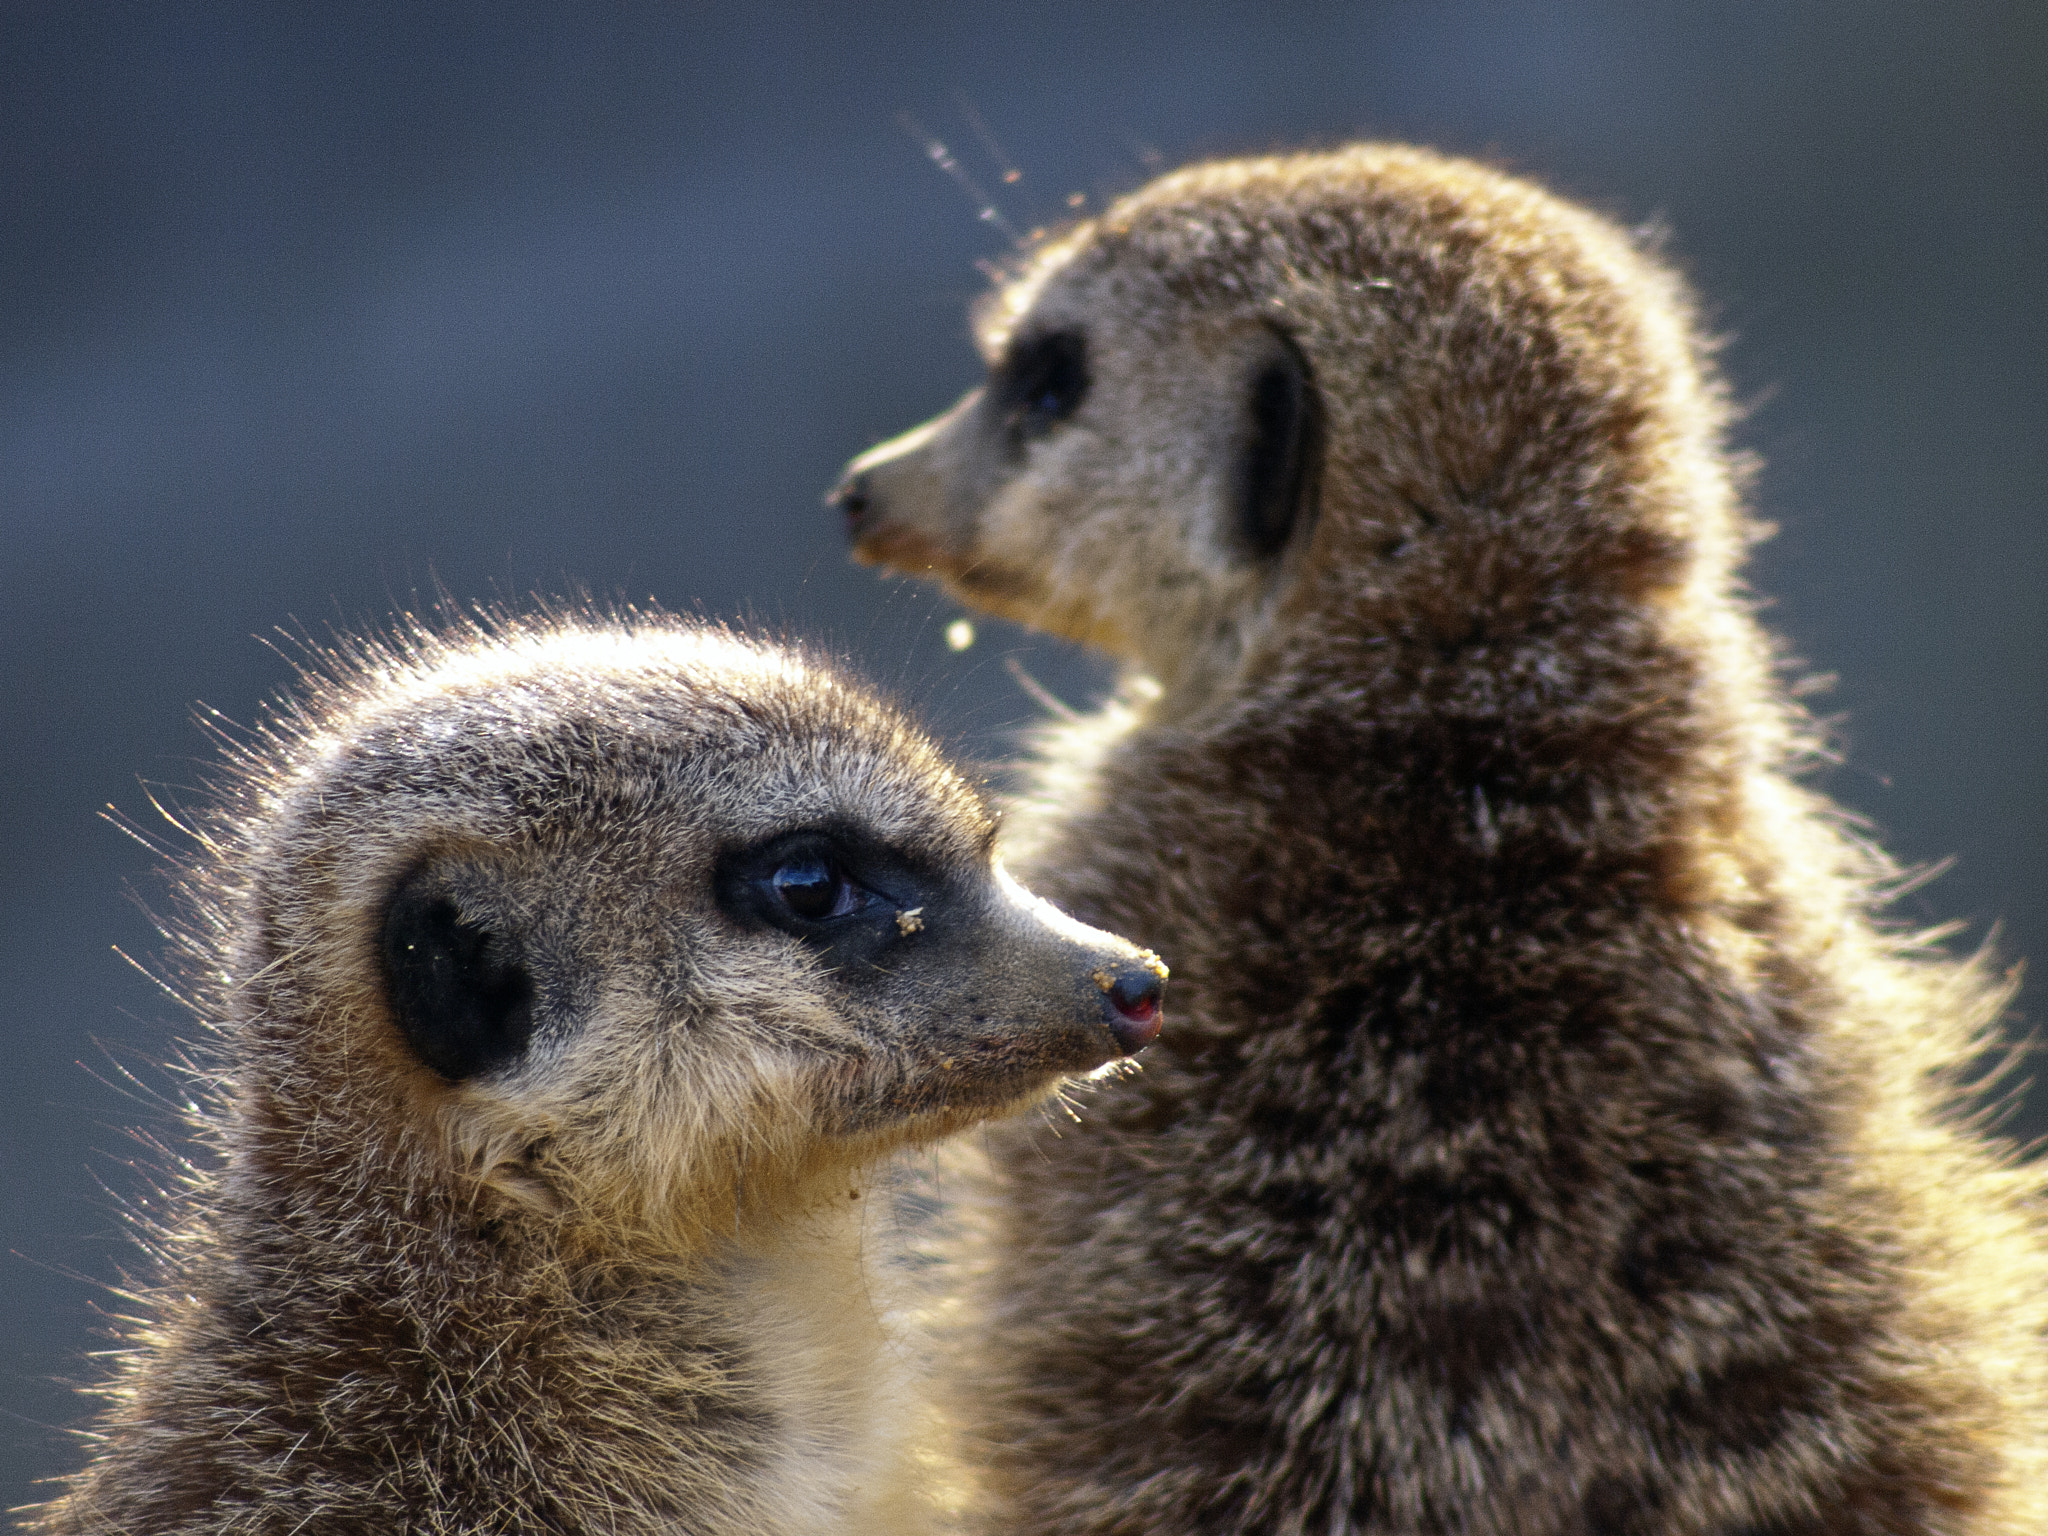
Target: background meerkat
(568, 981)
(1550, 1141)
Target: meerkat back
(1551, 1140)
(568, 985)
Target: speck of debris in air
(1076, 199)
(959, 634)
(909, 922)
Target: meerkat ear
(1281, 467)
(457, 991)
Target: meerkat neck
(1179, 681)
(829, 1368)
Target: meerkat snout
(970, 969)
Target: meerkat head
(1133, 474)
(631, 927)
(1255, 391)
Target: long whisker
(936, 151)
(1011, 175)
(1040, 695)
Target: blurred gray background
(307, 312)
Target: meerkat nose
(1131, 994)
(850, 496)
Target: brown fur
(624, 1281)
(1549, 1140)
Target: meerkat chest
(835, 1385)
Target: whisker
(1039, 694)
(1011, 175)
(936, 151)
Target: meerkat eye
(814, 890)
(1277, 476)
(1041, 383)
(457, 990)
(836, 890)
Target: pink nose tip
(1134, 994)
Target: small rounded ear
(458, 991)
(1281, 467)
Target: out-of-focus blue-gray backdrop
(306, 310)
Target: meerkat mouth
(893, 546)
(876, 541)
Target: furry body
(602, 1266)
(1550, 1142)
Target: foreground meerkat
(1549, 1142)
(569, 982)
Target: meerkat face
(1133, 474)
(629, 917)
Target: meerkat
(1551, 1140)
(570, 982)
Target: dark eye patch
(836, 890)
(1278, 474)
(1040, 382)
(458, 991)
